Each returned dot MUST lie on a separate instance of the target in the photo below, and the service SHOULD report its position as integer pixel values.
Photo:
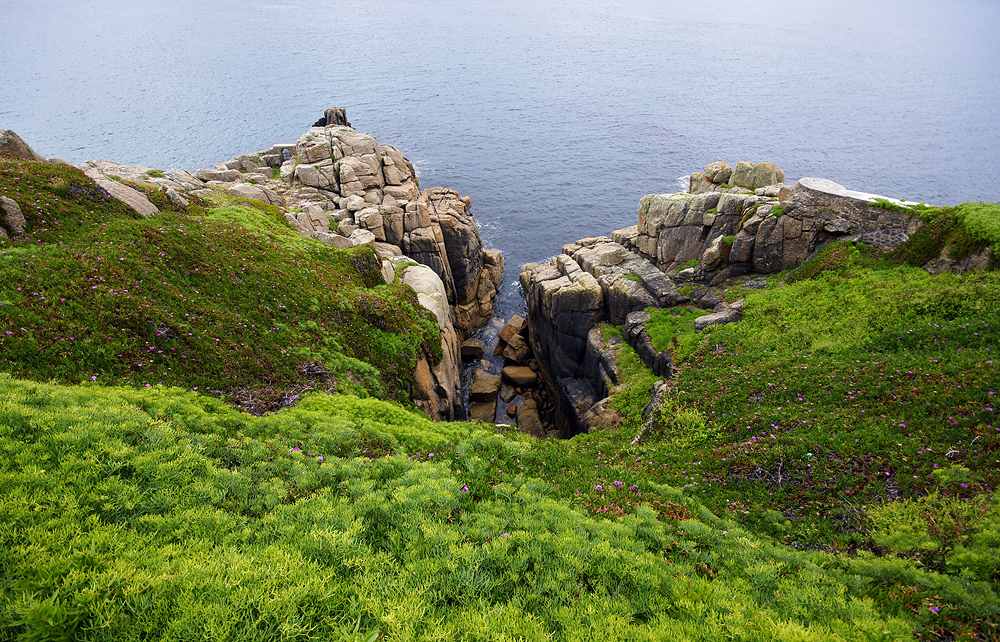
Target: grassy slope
(161, 514)
(226, 299)
(156, 513)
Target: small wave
(683, 183)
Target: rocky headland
(341, 187)
(554, 371)
(733, 226)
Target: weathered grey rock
(361, 237)
(429, 288)
(246, 190)
(12, 145)
(478, 311)
(336, 240)
(224, 176)
(333, 116)
(727, 313)
(698, 183)
(705, 298)
(131, 197)
(371, 220)
(577, 397)
(944, 263)
(741, 174)
(713, 257)
(463, 245)
(287, 171)
(438, 390)
(600, 362)
(761, 175)
(718, 172)
(176, 199)
(346, 228)
(387, 251)
(12, 217)
(780, 244)
(742, 250)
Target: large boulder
(13, 219)
(12, 145)
(333, 116)
(118, 190)
(485, 387)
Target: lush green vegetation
(674, 328)
(161, 514)
(224, 297)
(824, 470)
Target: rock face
(595, 280)
(12, 145)
(720, 177)
(437, 389)
(757, 224)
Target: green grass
(226, 299)
(824, 470)
(824, 420)
(673, 328)
(982, 222)
(161, 514)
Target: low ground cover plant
(824, 470)
(224, 298)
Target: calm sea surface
(556, 117)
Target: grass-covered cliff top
(223, 297)
(824, 470)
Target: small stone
(507, 393)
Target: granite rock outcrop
(755, 223)
(734, 222)
(341, 187)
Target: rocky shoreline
(341, 187)
(734, 225)
(555, 370)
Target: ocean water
(556, 117)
